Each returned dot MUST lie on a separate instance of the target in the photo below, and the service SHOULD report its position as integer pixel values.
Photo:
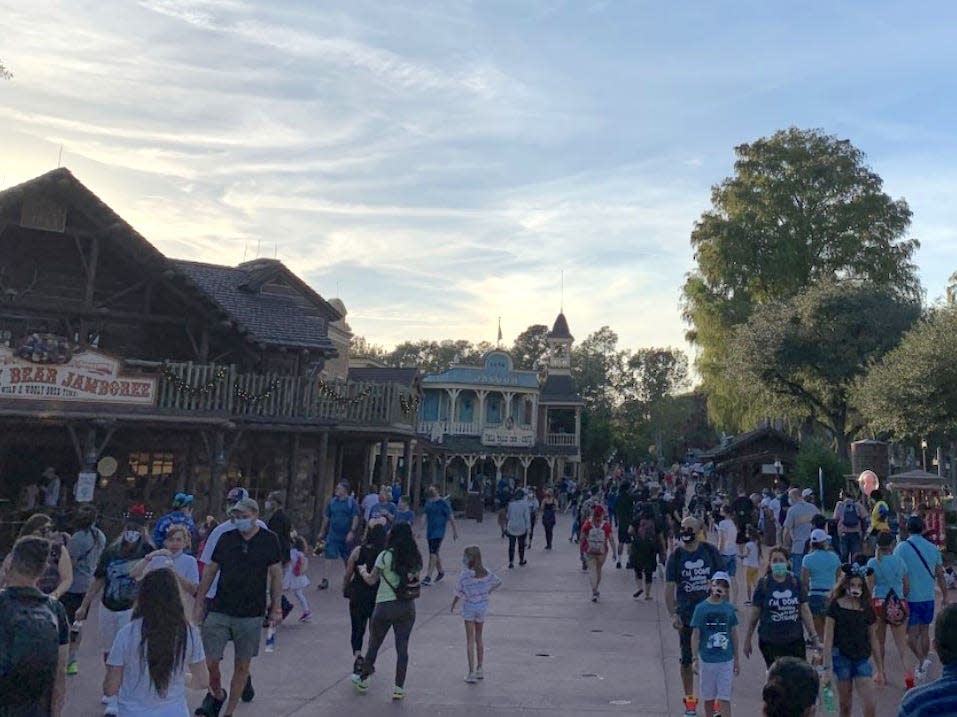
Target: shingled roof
(560, 329)
(560, 388)
(267, 318)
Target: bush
(812, 455)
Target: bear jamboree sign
(86, 377)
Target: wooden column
(320, 479)
(407, 458)
(217, 472)
(366, 470)
(417, 477)
(383, 462)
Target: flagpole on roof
(499, 341)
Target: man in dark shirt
(247, 560)
(35, 635)
(280, 524)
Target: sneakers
(271, 640)
(210, 706)
(357, 666)
(398, 693)
(691, 705)
(323, 584)
(471, 678)
(511, 565)
(360, 685)
(522, 562)
(111, 707)
(426, 581)
(908, 681)
(439, 576)
(920, 675)
(72, 668)
(637, 594)
(478, 674)
(618, 564)
(306, 617)
(249, 693)
(594, 596)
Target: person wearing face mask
(688, 574)
(779, 608)
(714, 645)
(114, 579)
(850, 641)
(248, 561)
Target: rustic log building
(190, 376)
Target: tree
(800, 358)
(360, 346)
(437, 356)
(658, 372)
(800, 208)
(531, 347)
(599, 369)
(5, 74)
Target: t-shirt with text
(691, 571)
(780, 604)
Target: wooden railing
(214, 389)
(560, 439)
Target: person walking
(146, 667)
(533, 505)
(34, 633)
(798, 526)
(113, 578)
(851, 516)
(437, 516)
(850, 641)
(939, 697)
(925, 570)
(647, 543)
(474, 586)
(888, 584)
(85, 547)
(340, 525)
(549, 517)
(295, 577)
(397, 572)
(778, 610)
(597, 538)
(688, 573)
(248, 562)
(791, 689)
(181, 514)
(751, 562)
(279, 523)
(362, 595)
(58, 576)
(517, 525)
(714, 646)
(727, 531)
(820, 572)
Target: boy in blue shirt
(714, 646)
(404, 514)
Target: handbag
(894, 610)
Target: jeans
(850, 546)
(549, 530)
(796, 559)
(521, 547)
(400, 616)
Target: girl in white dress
(296, 579)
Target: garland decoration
(410, 404)
(328, 392)
(183, 386)
(244, 395)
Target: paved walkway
(549, 650)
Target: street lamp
(923, 448)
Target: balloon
(869, 482)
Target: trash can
(473, 506)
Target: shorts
(715, 680)
(751, 575)
(846, 669)
(684, 638)
(921, 613)
(336, 548)
(435, 544)
(473, 613)
(71, 602)
(818, 603)
(243, 632)
(771, 651)
(730, 564)
(111, 622)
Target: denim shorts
(730, 564)
(818, 603)
(846, 669)
(921, 613)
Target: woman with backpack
(361, 595)
(888, 584)
(596, 537)
(851, 516)
(646, 545)
(397, 571)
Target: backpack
(409, 587)
(29, 643)
(646, 532)
(894, 610)
(849, 516)
(596, 540)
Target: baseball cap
(819, 536)
(244, 505)
(807, 493)
(721, 575)
(181, 500)
(235, 495)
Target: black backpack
(409, 587)
(29, 646)
(849, 515)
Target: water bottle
(827, 699)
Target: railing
(213, 389)
(464, 428)
(560, 439)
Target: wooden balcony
(560, 439)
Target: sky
(438, 165)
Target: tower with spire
(560, 342)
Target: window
(151, 464)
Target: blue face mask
(243, 525)
(465, 561)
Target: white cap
(721, 575)
(807, 492)
(819, 536)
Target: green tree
(360, 346)
(531, 347)
(813, 456)
(800, 358)
(801, 207)
(599, 369)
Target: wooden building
(191, 376)
(753, 460)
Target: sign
(508, 437)
(934, 525)
(85, 483)
(83, 376)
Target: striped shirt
(475, 591)
(933, 700)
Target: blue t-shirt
(437, 512)
(340, 513)
(396, 493)
(822, 567)
(380, 510)
(691, 572)
(404, 516)
(715, 622)
(889, 573)
(921, 580)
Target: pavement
(549, 650)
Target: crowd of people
(173, 592)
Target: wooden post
(366, 470)
(217, 472)
(383, 462)
(417, 477)
(319, 480)
(408, 467)
(91, 271)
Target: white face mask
(131, 536)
